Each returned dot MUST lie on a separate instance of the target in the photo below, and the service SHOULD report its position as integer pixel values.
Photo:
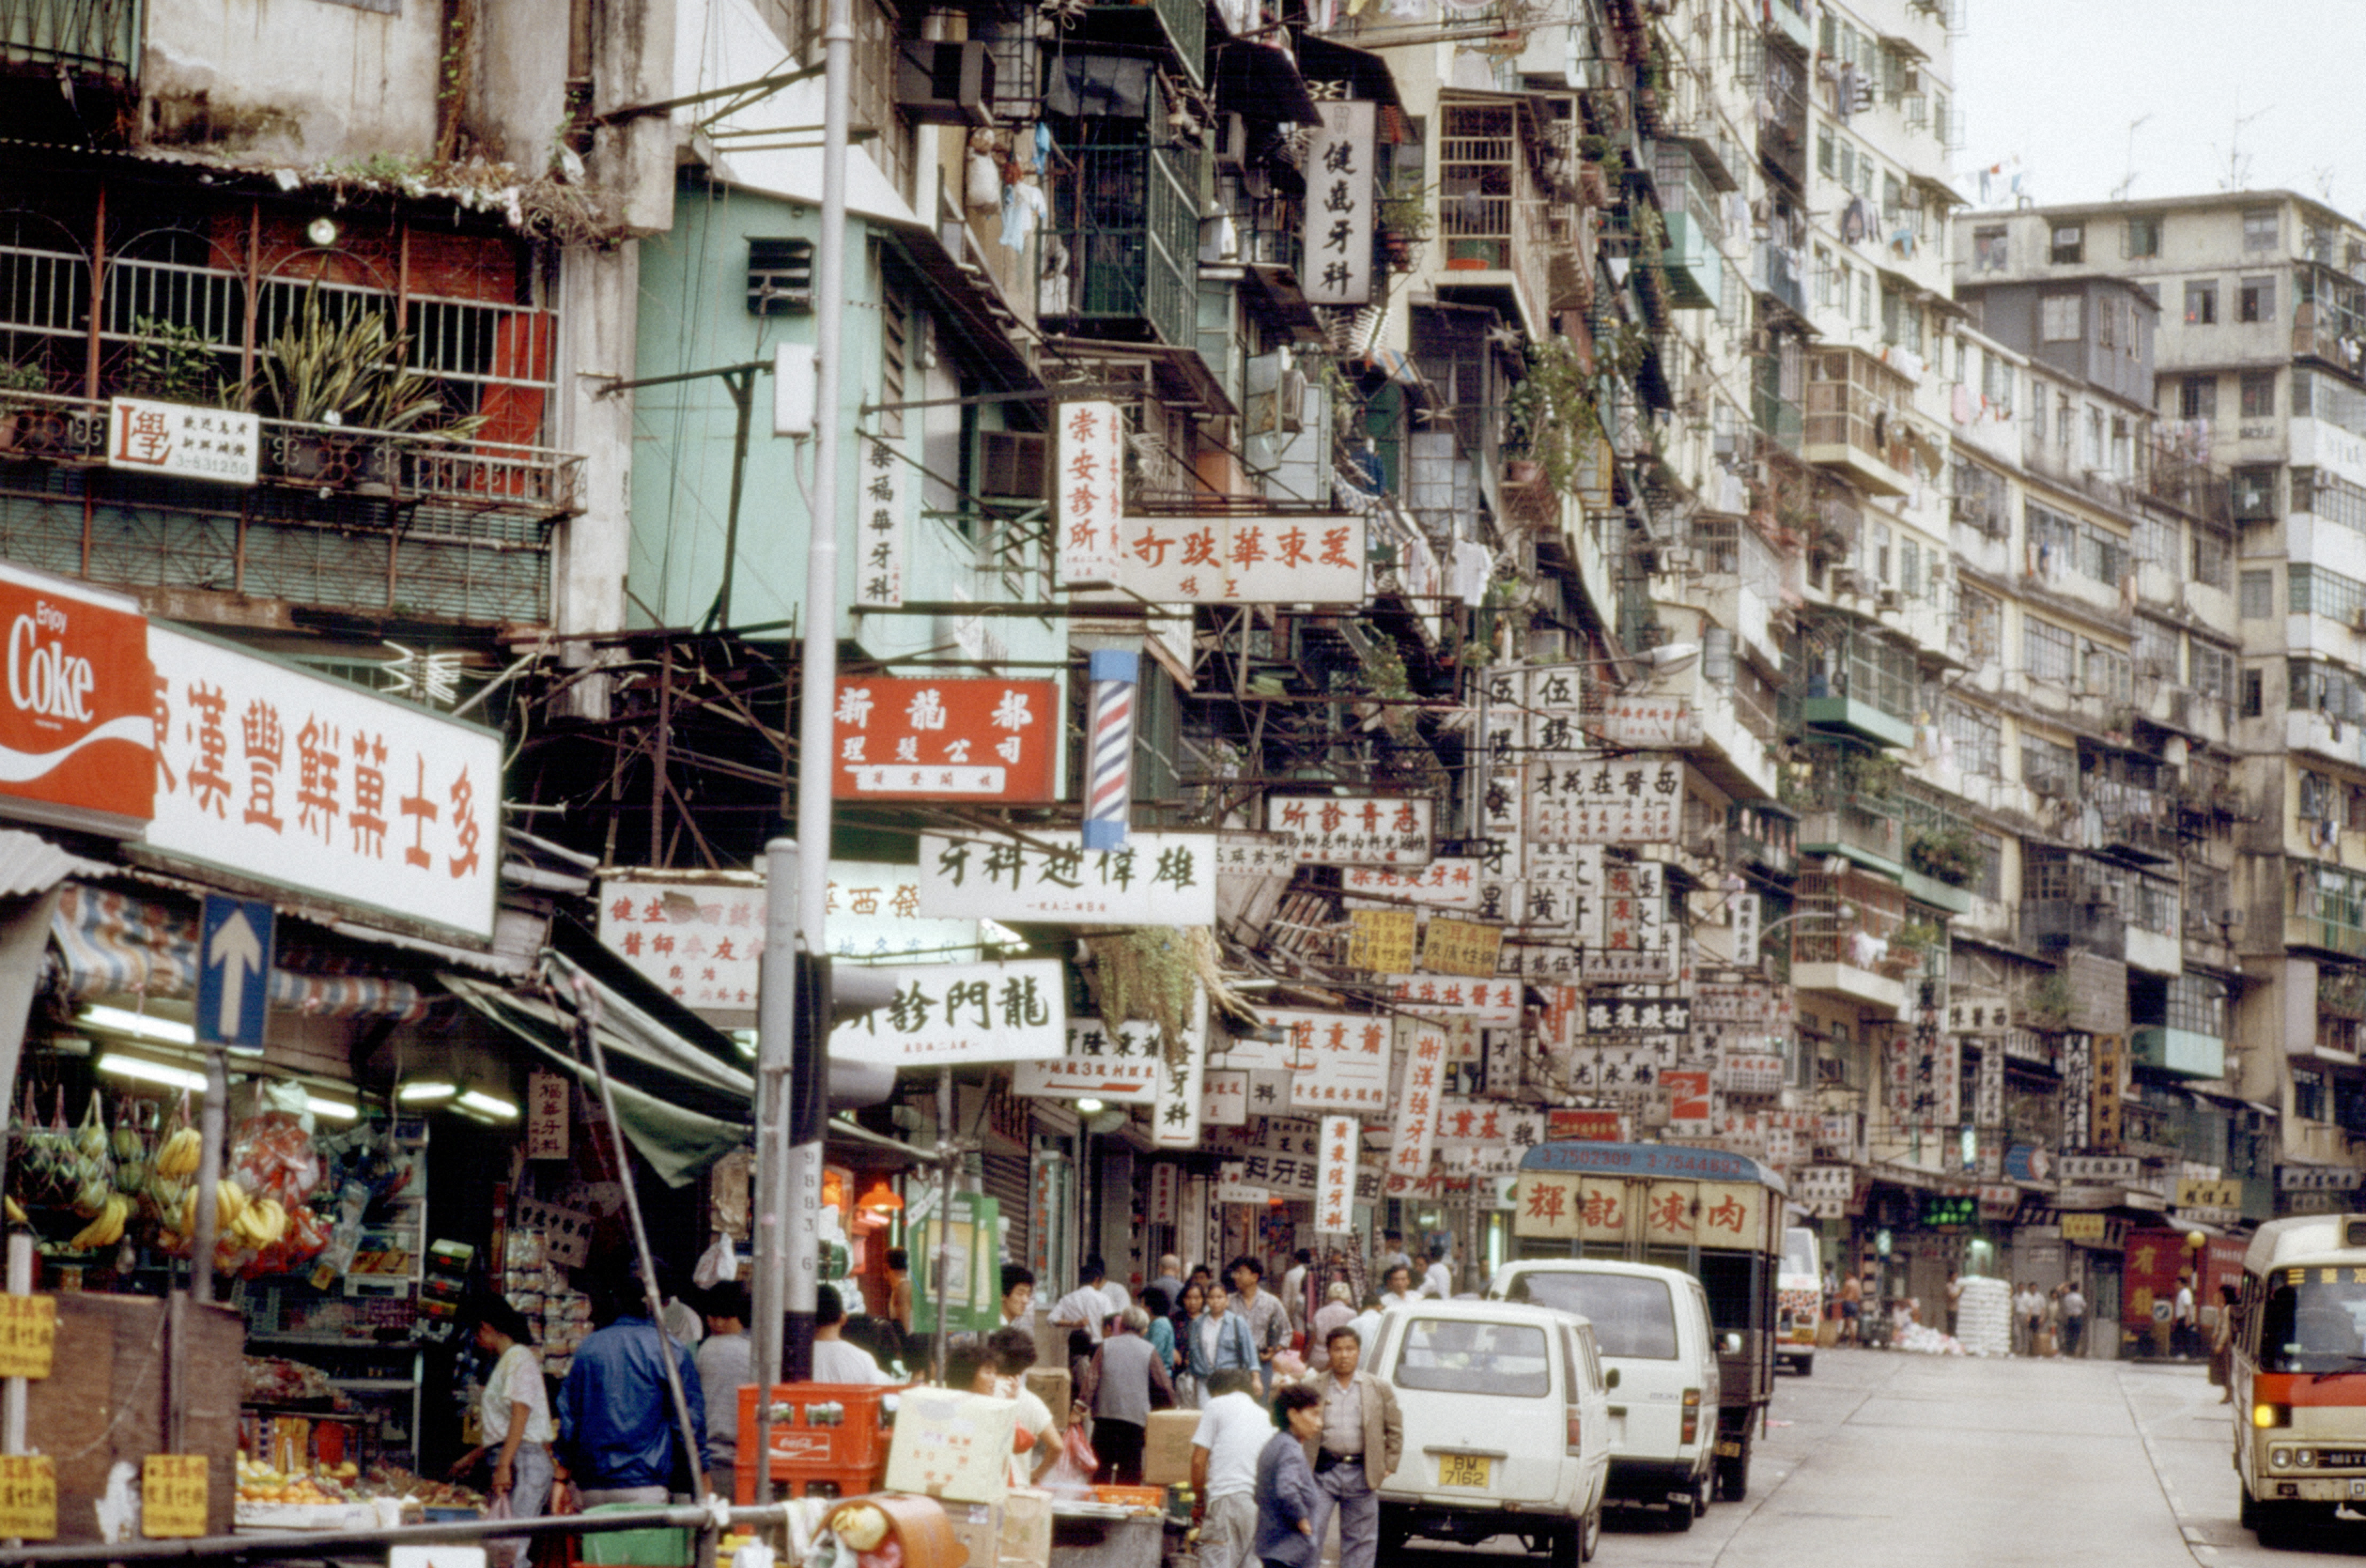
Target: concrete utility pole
(792, 1096)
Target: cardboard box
(1166, 1446)
(1050, 1344)
(1027, 1528)
(951, 1445)
(978, 1528)
(1053, 1387)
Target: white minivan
(1659, 1352)
(1506, 1426)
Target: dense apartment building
(2256, 374)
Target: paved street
(1911, 1461)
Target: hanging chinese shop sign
(1649, 721)
(1460, 947)
(1420, 1088)
(1492, 1001)
(1338, 240)
(1088, 492)
(1159, 879)
(274, 775)
(1339, 1061)
(697, 939)
(1316, 558)
(1381, 939)
(1630, 800)
(1335, 1180)
(1118, 1069)
(881, 506)
(1355, 829)
(907, 739)
(1447, 882)
(947, 1015)
(77, 730)
(181, 442)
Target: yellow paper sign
(1462, 947)
(1381, 941)
(29, 1329)
(2083, 1227)
(29, 1497)
(172, 1494)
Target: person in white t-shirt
(835, 1361)
(1037, 1445)
(1091, 1304)
(1439, 1281)
(1234, 1430)
(514, 1416)
(1396, 1287)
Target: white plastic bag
(717, 1264)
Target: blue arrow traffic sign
(234, 972)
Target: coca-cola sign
(78, 725)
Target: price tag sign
(172, 1494)
(29, 1331)
(29, 1497)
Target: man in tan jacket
(1361, 1439)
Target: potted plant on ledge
(1403, 224)
(345, 374)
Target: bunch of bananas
(106, 1229)
(180, 1154)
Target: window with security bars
(1977, 735)
(2211, 671)
(2154, 649)
(2205, 900)
(2316, 591)
(2048, 652)
(2315, 685)
(2330, 497)
(2047, 767)
(2103, 671)
(1980, 616)
(2151, 903)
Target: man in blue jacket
(617, 1428)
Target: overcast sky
(2057, 83)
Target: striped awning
(115, 944)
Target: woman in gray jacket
(1286, 1496)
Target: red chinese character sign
(1317, 558)
(76, 732)
(1355, 829)
(1088, 492)
(282, 776)
(1334, 1177)
(1419, 1091)
(906, 740)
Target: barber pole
(1109, 797)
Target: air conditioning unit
(945, 83)
(1891, 599)
(1011, 465)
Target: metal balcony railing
(101, 36)
(1129, 223)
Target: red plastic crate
(832, 1433)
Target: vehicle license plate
(1464, 1470)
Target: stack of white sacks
(1984, 1317)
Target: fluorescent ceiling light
(164, 1031)
(489, 1105)
(1088, 1107)
(124, 1066)
(425, 1092)
(336, 1109)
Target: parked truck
(1717, 1216)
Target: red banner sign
(77, 714)
(901, 739)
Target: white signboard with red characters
(277, 776)
(1334, 1178)
(77, 732)
(907, 739)
(1355, 829)
(1089, 493)
(1341, 1060)
(1447, 882)
(1419, 1092)
(182, 441)
(698, 939)
(1312, 559)
(1487, 1001)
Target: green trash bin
(663, 1547)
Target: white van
(1660, 1356)
(1798, 1301)
(1506, 1425)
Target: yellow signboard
(2209, 1194)
(29, 1330)
(1462, 947)
(29, 1497)
(2083, 1227)
(172, 1494)
(1672, 1212)
(1547, 1206)
(1381, 941)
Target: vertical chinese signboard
(1416, 1130)
(907, 739)
(1335, 1180)
(1338, 247)
(886, 481)
(2105, 1081)
(276, 775)
(1087, 484)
